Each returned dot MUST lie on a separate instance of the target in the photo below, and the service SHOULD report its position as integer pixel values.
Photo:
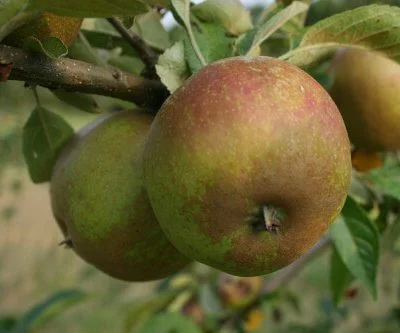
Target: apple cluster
(243, 168)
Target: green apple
(247, 165)
(366, 90)
(99, 200)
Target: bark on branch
(144, 51)
(78, 76)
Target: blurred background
(35, 270)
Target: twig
(289, 272)
(144, 51)
(282, 277)
(78, 76)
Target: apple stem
(273, 217)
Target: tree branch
(78, 76)
(144, 51)
(288, 273)
(281, 278)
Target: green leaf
(83, 102)
(387, 179)
(324, 8)
(172, 68)
(142, 310)
(91, 8)
(374, 27)
(50, 308)
(44, 135)
(229, 13)
(127, 64)
(105, 40)
(182, 10)
(292, 299)
(359, 191)
(7, 323)
(149, 27)
(52, 47)
(277, 21)
(340, 277)
(322, 74)
(169, 322)
(213, 42)
(357, 242)
(82, 50)
(209, 299)
(13, 14)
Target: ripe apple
(247, 165)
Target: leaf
(340, 277)
(91, 8)
(168, 322)
(360, 192)
(324, 8)
(104, 40)
(209, 299)
(51, 307)
(82, 50)
(277, 21)
(232, 14)
(13, 14)
(44, 135)
(213, 42)
(127, 64)
(357, 242)
(172, 68)
(141, 311)
(292, 299)
(374, 27)
(82, 102)
(182, 9)
(52, 47)
(149, 27)
(7, 323)
(387, 179)
(162, 3)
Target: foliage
(301, 32)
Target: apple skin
(366, 90)
(240, 135)
(100, 203)
(47, 25)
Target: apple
(366, 90)
(99, 200)
(247, 164)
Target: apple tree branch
(144, 51)
(78, 76)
